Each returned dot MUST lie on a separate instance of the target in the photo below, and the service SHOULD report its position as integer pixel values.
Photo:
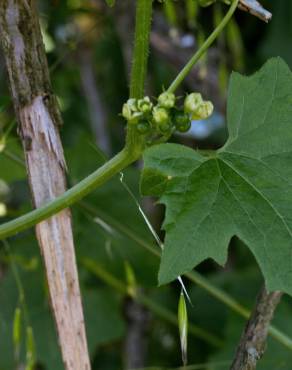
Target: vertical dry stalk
(253, 340)
(39, 118)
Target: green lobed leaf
(243, 189)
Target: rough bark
(252, 344)
(39, 118)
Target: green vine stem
(139, 67)
(147, 302)
(77, 192)
(141, 49)
(135, 143)
(194, 59)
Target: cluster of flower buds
(165, 117)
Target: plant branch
(187, 68)
(77, 192)
(253, 341)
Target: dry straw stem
(39, 118)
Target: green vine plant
(136, 142)
(208, 198)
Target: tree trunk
(39, 118)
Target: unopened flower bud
(204, 111)
(192, 102)
(160, 115)
(144, 105)
(126, 112)
(132, 103)
(130, 111)
(166, 100)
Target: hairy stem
(141, 48)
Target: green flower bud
(192, 102)
(166, 100)
(132, 103)
(144, 105)
(160, 116)
(126, 112)
(204, 111)
(182, 121)
(130, 111)
(143, 127)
